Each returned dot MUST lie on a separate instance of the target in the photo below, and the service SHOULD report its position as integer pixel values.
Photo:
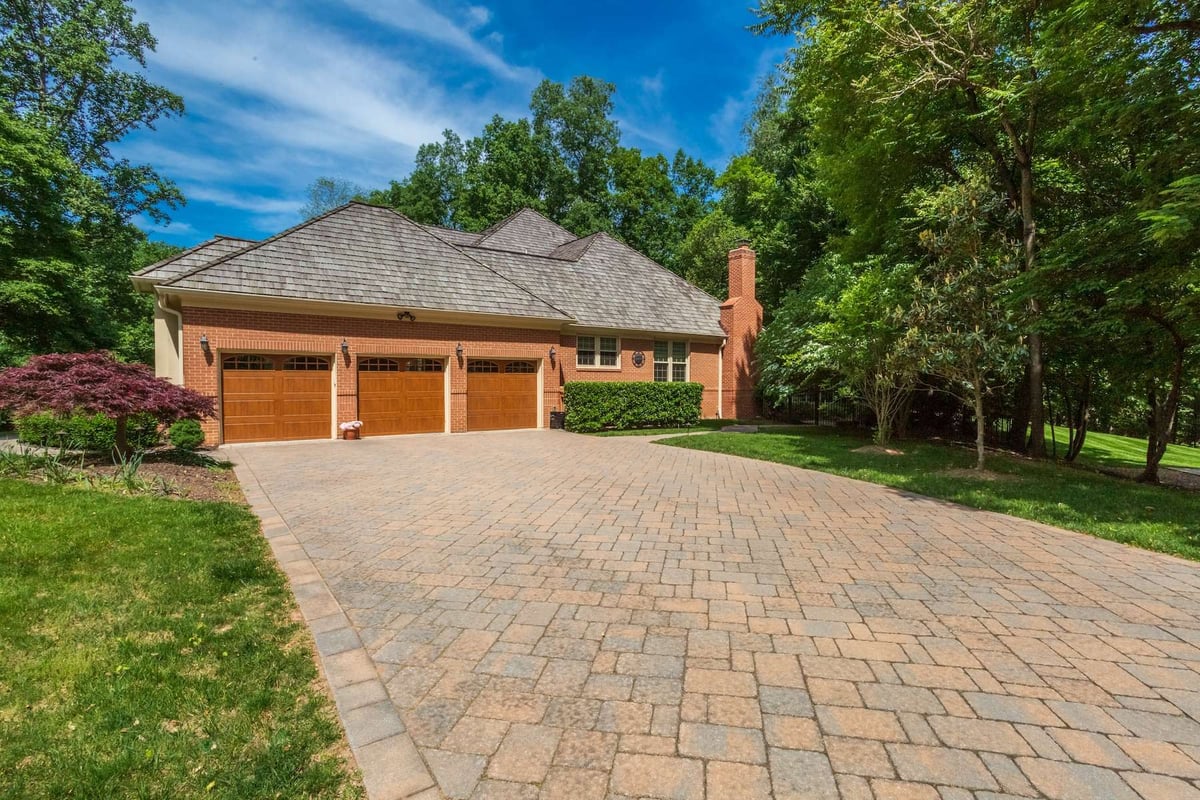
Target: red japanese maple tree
(97, 383)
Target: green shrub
(92, 432)
(186, 434)
(622, 405)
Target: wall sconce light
(204, 344)
(458, 351)
(406, 315)
(345, 347)
(553, 353)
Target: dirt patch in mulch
(876, 450)
(979, 475)
(194, 476)
(1166, 477)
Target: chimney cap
(743, 242)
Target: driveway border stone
(390, 764)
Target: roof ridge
(674, 275)
(496, 272)
(499, 226)
(591, 236)
(268, 240)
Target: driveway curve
(560, 616)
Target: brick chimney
(741, 317)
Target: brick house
(362, 313)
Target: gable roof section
(189, 259)
(359, 253)
(611, 285)
(525, 232)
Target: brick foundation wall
(230, 330)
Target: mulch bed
(194, 476)
(1166, 476)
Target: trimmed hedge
(622, 405)
(91, 432)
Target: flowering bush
(353, 425)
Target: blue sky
(281, 92)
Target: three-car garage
(279, 397)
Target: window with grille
(597, 351)
(306, 363)
(670, 362)
(378, 365)
(520, 366)
(482, 366)
(246, 362)
(424, 365)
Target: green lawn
(1152, 517)
(1109, 450)
(149, 648)
(701, 426)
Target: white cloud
(416, 17)
(728, 123)
(170, 228)
(652, 85)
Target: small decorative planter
(350, 434)
(350, 430)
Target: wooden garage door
(272, 398)
(401, 395)
(501, 395)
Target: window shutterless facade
(597, 351)
(670, 361)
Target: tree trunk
(1079, 420)
(121, 440)
(1163, 414)
(980, 427)
(905, 413)
(1018, 433)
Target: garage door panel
(274, 398)
(499, 399)
(393, 400)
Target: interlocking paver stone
(556, 615)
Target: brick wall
(741, 317)
(231, 330)
(702, 367)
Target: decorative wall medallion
(639, 358)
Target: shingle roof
(610, 285)
(191, 258)
(524, 266)
(453, 236)
(366, 254)
(525, 232)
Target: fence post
(817, 408)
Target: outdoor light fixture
(204, 342)
(345, 347)
(406, 315)
(458, 351)
(553, 353)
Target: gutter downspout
(160, 301)
(721, 379)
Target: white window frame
(671, 362)
(596, 351)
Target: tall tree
(70, 87)
(949, 82)
(326, 194)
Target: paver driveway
(562, 616)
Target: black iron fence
(820, 407)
